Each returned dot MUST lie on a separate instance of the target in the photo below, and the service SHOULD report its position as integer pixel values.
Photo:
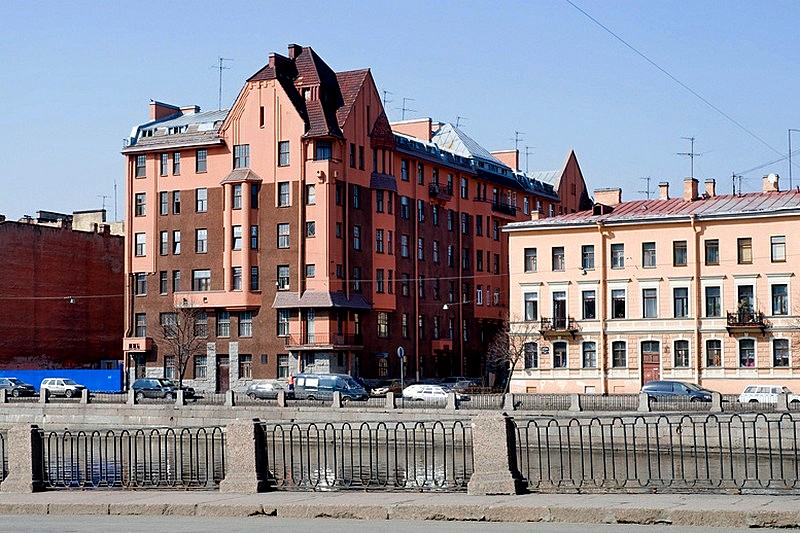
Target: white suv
(765, 394)
(61, 387)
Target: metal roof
(452, 139)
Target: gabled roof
(551, 177)
(350, 84)
(452, 139)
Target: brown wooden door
(223, 373)
(651, 364)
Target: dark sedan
(668, 390)
(159, 388)
(16, 387)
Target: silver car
(264, 390)
(61, 387)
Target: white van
(765, 394)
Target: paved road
(193, 524)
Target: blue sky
(77, 75)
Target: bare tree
(509, 347)
(183, 333)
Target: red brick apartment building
(61, 292)
(316, 236)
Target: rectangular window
(778, 248)
(648, 255)
(352, 155)
(322, 151)
(201, 160)
(163, 247)
(141, 204)
(713, 353)
(617, 256)
(681, 354)
(283, 153)
(589, 355)
(176, 163)
(223, 323)
(464, 188)
(589, 305)
(464, 224)
(780, 299)
(356, 200)
(421, 249)
(283, 194)
(559, 355)
(176, 202)
(679, 253)
(420, 211)
(404, 246)
(236, 278)
(201, 200)
(713, 302)
(311, 229)
(163, 284)
(246, 324)
(283, 366)
(254, 237)
(360, 158)
(436, 252)
(200, 366)
(587, 257)
(404, 169)
(176, 242)
(311, 194)
(780, 352)
(420, 173)
(618, 303)
(379, 284)
(284, 315)
(141, 244)
(163, 208)
(283, 235)
(649, 303)
(558, 259)
(379, 201)
(254, 278)
(744, 246)
(201, 280)
(465, 258)
(169, 367)
(283, 277)
(404, 208)
(141, 166)
(530, 260)
(747, 353)
(201, 240)
(141, 325)
(356, 237)
(176, 280)
(619, 354)
(404, 325)
(379, 241)
(383, 324)
(236, 241)
(405, 286)
(311, 270)
(680, 302)
(531, 354)
(237, 196)
(201, 324)
(479, 295)
(450, 215)
(241, 156)
(356, 279)
(712, 251)
(531, 306)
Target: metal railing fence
(661, 453)
(380, 455)
(185, 458)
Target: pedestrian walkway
(676, 509)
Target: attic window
(147, 133)
(306, 94)
(176, 129)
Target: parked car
(16, 387)
(61, 387)
(766, 394)
(159, 388)
(322, 387)
(430, 393)
(386, 385)
(265, 390)
(666, 390)
(452, 380)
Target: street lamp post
(790, 155)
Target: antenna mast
(403, 109)
(517, 138)
(646, 192)
(459, 118)
(386, 97)
(221, 66)
(691, 153)
(527, 152)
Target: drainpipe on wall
(602, 297)
(697, 298)
(301, 241)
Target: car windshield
(351, 383)
(786, 390)
(166, 382)
(15, 381)
(69, 382)
(692, 386)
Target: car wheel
(694, 399)
(68, 393)
(795, 402)
(311, 398)
(251, 395)
(15, 393)
(345, 399)
(139, 396)
(169, 396)
(652, 399)
(753, 401)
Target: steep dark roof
(350, 83)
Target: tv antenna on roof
(221, 66)
(646, 192)
(517, 138)
(386, 99)
(403, 108)
(528, 151)
(691, 153)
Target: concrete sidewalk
(675, 509)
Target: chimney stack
(711, 188)
(689, 189)
(294, 50)
(770, 183)
(663, 190)
(608, 197)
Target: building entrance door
(223, 373)
(651, 364)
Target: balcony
(324, 341)
(440, 191)
(553, 327)
(504, 209)
(230, 300)
(746, 320)
(137, 344)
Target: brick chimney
(689, 189)
(159, 110)
(770, 183)
(609, 197)
(190, 109)
(663, 190)
(711, 188)
(295, 50)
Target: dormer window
(306, 93)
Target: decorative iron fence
(435, 456)
(661, 454)
(185, 458)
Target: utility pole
(403, 109)
(646, 190)
(221, 66)
(691, 153)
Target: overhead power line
(676, 80)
